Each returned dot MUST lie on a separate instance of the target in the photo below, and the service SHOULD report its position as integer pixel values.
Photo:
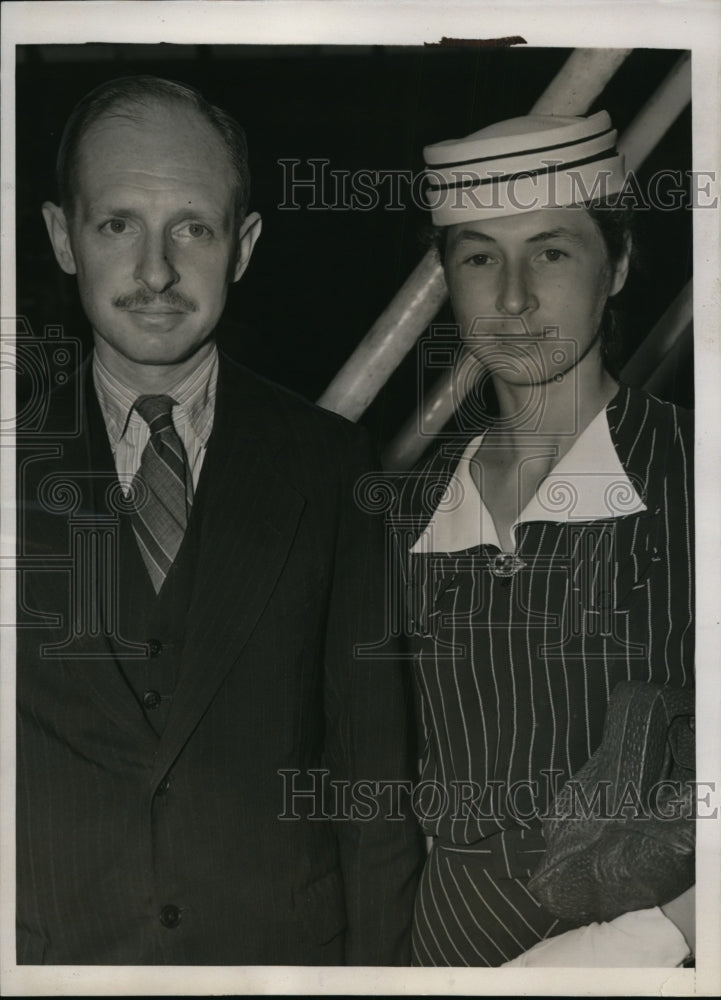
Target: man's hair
(616, 225)
(128, 96)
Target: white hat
(521, 165)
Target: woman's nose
(515, 292)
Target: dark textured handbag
(620, 833)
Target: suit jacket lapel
(249, 519)
(81, 470)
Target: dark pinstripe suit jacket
(288, 578)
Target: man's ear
(620, 271)
(249, 233)
(59, 233)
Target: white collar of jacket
(589, 483)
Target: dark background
(319, 278)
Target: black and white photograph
(360, 536)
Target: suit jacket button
(155, 647)
(163, 786)
(151, 699)
(170, 916)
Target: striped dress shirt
(517, 649)
(128, 432)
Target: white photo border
(615, 24)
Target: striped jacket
(516, 655)
(515, 670)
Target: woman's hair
(617, 230)
(616, 226)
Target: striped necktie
(163, 488)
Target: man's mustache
(141, 299)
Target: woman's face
(529, 290)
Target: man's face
(152, 236)
(512, 278)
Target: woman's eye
(479, 259)
(552, 254)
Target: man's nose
(154, 267)
(515, 291)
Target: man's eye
(479, 260)
(115, 226)
(195, 230)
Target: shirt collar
(587, 484)
(194, 395)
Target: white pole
(388, 341)
(657, 115)
(579, 81)
(662, 342)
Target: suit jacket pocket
(321, 907)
